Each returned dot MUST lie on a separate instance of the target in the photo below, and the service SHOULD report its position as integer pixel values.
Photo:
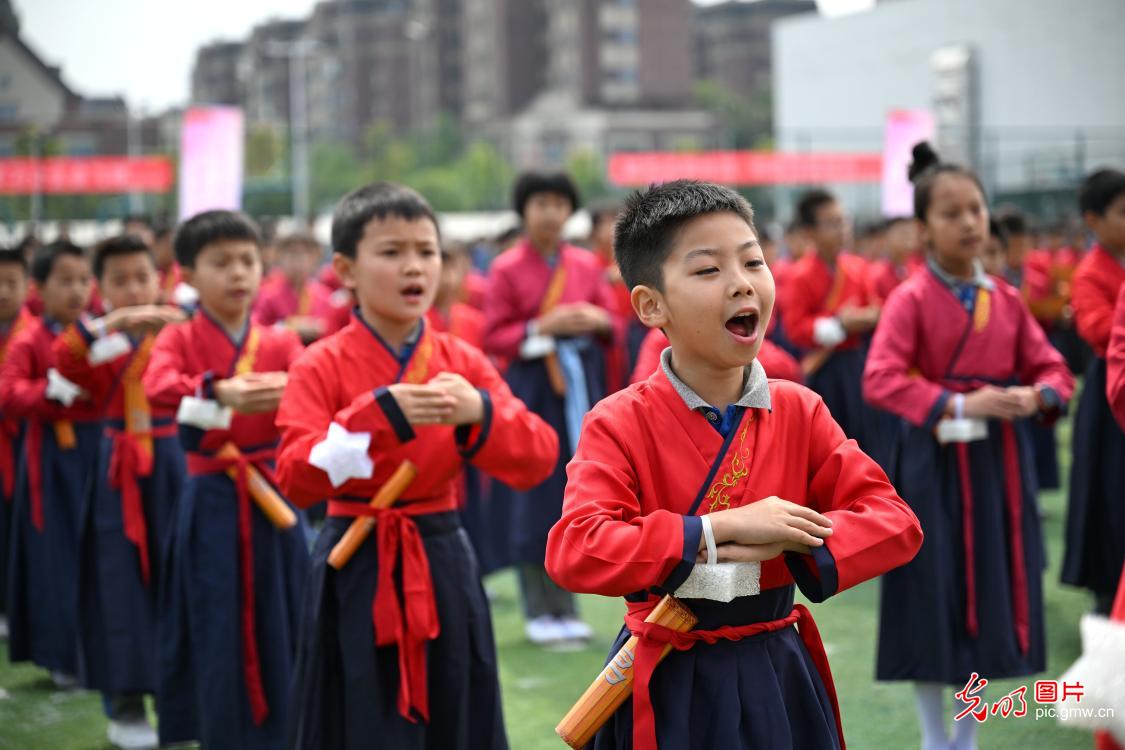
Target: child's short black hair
(298, 240)
(996, 229)
(530, 183)
(808, 204)
(377, 200)
(924, 171)
(212, 226)
(605, 209)
(1099, 190)
(1013, 222)
(651, 219)
(12, 256)
(122, 244)
(43, 263)
(894, 221)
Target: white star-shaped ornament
(342, 455)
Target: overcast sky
(143, 49)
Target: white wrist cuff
(204, 413)
(829, 332)
(959, 406)
(537, 346)
(709, 538)
(109, 348)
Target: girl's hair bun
(924, 157)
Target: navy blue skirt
(840, 383)
(1095, 518)
(535, 511)
(43, 567)
(762, 692)
(487, 517)
(201, 691)
(117, 611)
(346, 689)
(6, 508)
(922, 633)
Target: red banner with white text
(744, 167)
(86, 174)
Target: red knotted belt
(198, 463)
(128, 462)
(7, 461)
(33, 441)
(408, 627)
(1014, 504)
(652, 638)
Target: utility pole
(298, 51)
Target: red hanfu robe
(646, 469)
(777, 362)
(884, 275)
(814, 290)
(342, 382)
(521, 280)
(1115, 361)
(138, 476)
(10, 433)
(278, 301)
(976, 500)
(1095, 530)
(59, 449)
(230, 620)
(464, 322)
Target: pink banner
(69, 175)
(743, 167)
(905, 127)
(211, 160)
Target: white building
(1042, 100)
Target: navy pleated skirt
(346, 689)
(762, 692)
(1095, 519)
(840, 383)
(117, 610)
(535, 511)
(201, 692)
(923, 633)
(7, 505)
(43, 566)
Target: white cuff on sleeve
(109, 348)
(204, 413)
(342, 455)
(828, 332)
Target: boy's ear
(1091, 220)
(345, 269)
(649, 305)
(186, 274)
(923, 233)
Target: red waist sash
(1014, 506)
(407, 624)
(128, 462)
(652, 638)
(198, 463)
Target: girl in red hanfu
(960, 359)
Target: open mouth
(413, 292)
(744, 325)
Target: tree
(588, 172)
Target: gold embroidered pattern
(719, 494)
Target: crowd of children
(263, 489)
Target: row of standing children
(387, 254)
